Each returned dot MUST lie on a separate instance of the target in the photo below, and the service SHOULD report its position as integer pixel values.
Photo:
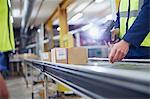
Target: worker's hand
(114, 34)
(118, 51)
(3, 89)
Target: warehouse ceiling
(86, 10)
(42, 10)
(17, 8)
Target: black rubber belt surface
(92, 84)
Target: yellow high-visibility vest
(135, 6)
(6, 28)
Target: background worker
(6, 43)
(133, 28)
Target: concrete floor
(17, 89)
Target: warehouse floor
(17, 90)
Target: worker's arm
(3, 89)
(134, 36)
(140, 28)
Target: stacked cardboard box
(28, 56)
(75, 55)
(46, 56)
(59, 55)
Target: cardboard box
(59, 55)
(28, 56)
(77, 55)
(46, 56)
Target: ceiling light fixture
(77, 16)
(84, 28)
(58, 29)
(39, 30)
(99, 1)
(81, 7)
(94, 32)
(16, 13)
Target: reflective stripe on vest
(135, 7)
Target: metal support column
(40, 40)
(37, 43)
(63, 25)
(46, 86)
(77, 39)
(49, 28)
(32, 82)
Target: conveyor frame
(105, 83)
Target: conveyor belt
(98, 82)
(122, 65)
(124, 60)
